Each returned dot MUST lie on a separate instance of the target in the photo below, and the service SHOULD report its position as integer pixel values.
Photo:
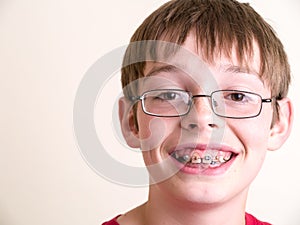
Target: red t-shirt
(250, 220)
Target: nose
(200, 116)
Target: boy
(204, 99)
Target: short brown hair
(219, 26)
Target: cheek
(156, 132)
(252, 137)
(253, 133)
(259, 131)
(152, 131)
(255, 141)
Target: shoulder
(112, 221)
(251, 220)
(133, 217)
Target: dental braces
(207, 159)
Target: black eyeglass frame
(191, 101)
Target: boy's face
(243, 142)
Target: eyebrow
(160, 69)
(226, 68)
(237, 69)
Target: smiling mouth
(208, 158)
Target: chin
(196, 193)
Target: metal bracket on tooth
(207, 159)
(196, 159)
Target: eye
(241, 97)
(237, 96)
(168, 95)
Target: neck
(162, 210)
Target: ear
(282, 128)
(127, 122)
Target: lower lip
(210, 171)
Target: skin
(200, 198)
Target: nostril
(192, 126)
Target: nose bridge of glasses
(201, 96)
(201, 101)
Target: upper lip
(203, 147)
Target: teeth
(221, 159)
(186, 158)
(208, 159)
(183, 159)
(213, 163)
(226, 158)
(176, 155)
(196, 158)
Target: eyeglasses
(224, 103)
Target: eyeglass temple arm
(134, 98)
(267, 100)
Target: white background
(46, 46)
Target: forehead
(189, 54)
(250, 59)
(189, 64)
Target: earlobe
(282, 128)
(127, 122)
